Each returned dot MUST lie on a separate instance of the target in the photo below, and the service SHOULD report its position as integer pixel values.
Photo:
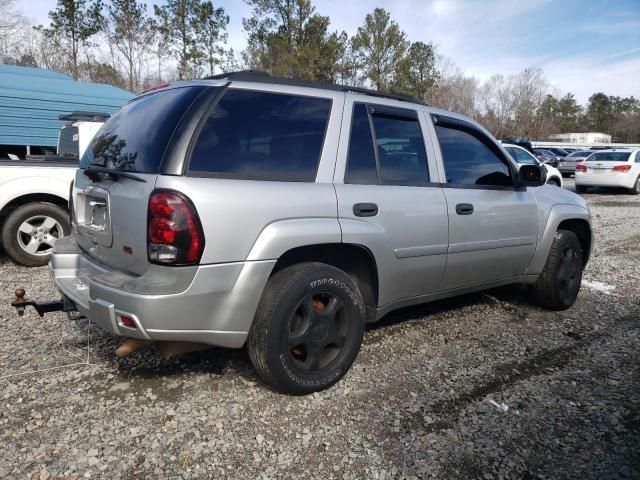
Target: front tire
(308, 328)
(559, 283)
(31, 230)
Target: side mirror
(531, 176)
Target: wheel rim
(37, 235)
(317, 332)
(568, 273)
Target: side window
(521, 156)
(399, 156)
(264, 136)
(362, 158)
(469, 159)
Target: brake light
(580, 160)
(622, 168)
(174, 233)
(581, 168)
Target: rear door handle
(464, 209)
(365, 209)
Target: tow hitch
(20, 303)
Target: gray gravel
(418, 402)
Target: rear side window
(610, 157)
(68, 141)
(135, 138)
(362, 158)
(262, 136)
(469, 159)
(398, 157)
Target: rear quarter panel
(273, 216)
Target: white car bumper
(605, 179)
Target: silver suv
(284, 215)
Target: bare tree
(129, 33)
(455, 91)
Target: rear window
(580, 153)
(68, 141)
(262, 136)
(135, 138)
(610, 157)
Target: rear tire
(581, 189)
(308, 328)
(559, 283)
(565, 175)
(29, 232)
(635, 190)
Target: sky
(583, 46)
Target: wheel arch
(582, 229)
(562, 217)
(357, 261)
(32, 198)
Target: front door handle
(464, 209)
(365, 209)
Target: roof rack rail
(259, 76)
(84, 116)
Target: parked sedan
(610, 168)
(546, 156)
(567, 165)
(524, 157)
(559, 152)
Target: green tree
(73, 23)
(210, 30)
(288, 38)
(380, 47)
(177, 24)
(130, 32)
(599, 112)
(568, 113)
(417, 73)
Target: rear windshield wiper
(94, 173)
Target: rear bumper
(566, 168)
(213, 304)
(605, 180)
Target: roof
(31, 99)
(264, 77)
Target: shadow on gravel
(508, 296)
(608, 191)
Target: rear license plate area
(93, 214)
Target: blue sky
(583, 45)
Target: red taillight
(622, 168)
(581, 168)
(174, 233)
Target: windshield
(135, 138)
(610, 157)
(580, 153)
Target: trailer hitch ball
(19, 302)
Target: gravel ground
(418, 402)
